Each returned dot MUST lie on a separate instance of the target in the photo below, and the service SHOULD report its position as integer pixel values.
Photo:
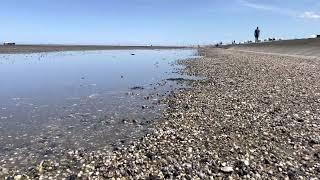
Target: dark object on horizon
(176, 79)
(133, 54)
(137, 88)
(257, 34)
(9, 44)
(219, 44)
(272, 39)
(318, 36)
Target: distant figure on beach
(257, 34)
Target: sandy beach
(22, 49)
(254, 116)
(177, 90)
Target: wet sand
(254, 116)
(22, 49)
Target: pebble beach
(251, 116)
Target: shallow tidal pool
(54, 102)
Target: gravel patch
(253, 117)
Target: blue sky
(163, 22)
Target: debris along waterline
(99, 121)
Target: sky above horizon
(158, 22)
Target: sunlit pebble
(4, 117)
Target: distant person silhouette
(257, 34)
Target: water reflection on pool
(57, 101)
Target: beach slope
(298, 47)
(253, 116)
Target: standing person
(257, 34)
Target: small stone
(5, 170)
(188, 165)
(18, 177)
(227, 169)
(246, 162)
(306, 158)
(80, 174)
(201, 175)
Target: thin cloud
(257, 6)
(266, 7)
(310, 15)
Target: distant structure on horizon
(9, 43)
